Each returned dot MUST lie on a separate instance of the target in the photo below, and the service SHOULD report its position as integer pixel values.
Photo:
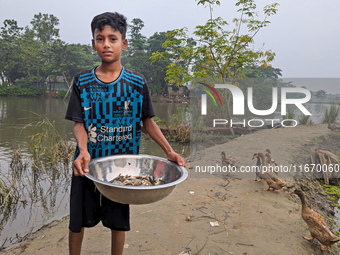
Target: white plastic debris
(126, 246)
(214, 223)
(191, 192)
(185, 253)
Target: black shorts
(88, 207)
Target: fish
(146, 180)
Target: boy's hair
(113, 19)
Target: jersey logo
(126, 107)
(87, 108)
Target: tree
(137, 56)
(31, 57)
(9, 57)
(78, 57)
(10, 30)
(268, 72)
(138, 41)
(44, 27)
(157, 72)
(218, 52)
(37, 52)
(320, 94)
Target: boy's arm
(157, 135)
(81, 164)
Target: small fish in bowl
(145, 180)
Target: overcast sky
(304, 34)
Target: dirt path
(251, 221)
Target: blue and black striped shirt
(112, 112)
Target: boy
(107, 104)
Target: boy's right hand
(81, 164)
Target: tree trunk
(227, 100)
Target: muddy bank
(246, 219)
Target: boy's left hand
(175, 157)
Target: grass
(48, 146)
(9, 190)
(332, 190)
(50, 153)
(305, 120)
(331, 114)
(177, 129)
(38, 178)
(291, 115)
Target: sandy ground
(251, 221)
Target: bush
(331, 114)
(159, 121)
(17, 90)
(305, 120)
(61, 94)
(290, 115)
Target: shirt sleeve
(147, 108)
(74, 109)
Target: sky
(303, 34)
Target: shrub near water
(17, 90)
(178, 129)
(62, 93)
(305, 120)
(290, 115)
(48, 149)
(331, 114)
(7, 193)
(48, 146)
(9, 184)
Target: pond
(44, 197)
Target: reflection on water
(44, 195)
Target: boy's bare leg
(117, 242)
(74, 242)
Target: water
(45, 197)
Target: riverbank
(250, 221)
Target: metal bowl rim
(183, 170)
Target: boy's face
(109, 44)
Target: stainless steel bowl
(105, 169)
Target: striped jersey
(111, 112)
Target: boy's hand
(81, 164)
(173, 156)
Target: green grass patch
(332, 190)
